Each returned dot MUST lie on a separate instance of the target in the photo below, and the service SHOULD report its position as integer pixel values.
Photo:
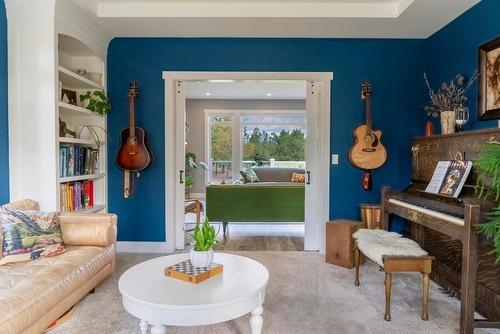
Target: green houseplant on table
(488, 185)
(205, 238)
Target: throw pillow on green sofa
(249, 175)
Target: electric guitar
(134, 154)
(367, 152)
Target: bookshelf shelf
(90, 209)
(76, 81)
(76, 110)
(81, 177)
(69, 140)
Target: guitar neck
(131, 115)
(368, 114)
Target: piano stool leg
(356, 264)
(388, 285)
(425, 296)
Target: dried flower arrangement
(449, 96)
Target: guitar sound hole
(132, 140)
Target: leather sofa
(34, 294)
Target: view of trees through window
(266, 140)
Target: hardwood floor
(259, 237)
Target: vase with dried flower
(450, 96)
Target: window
(221, 147)
(271, 140)
(262, 139)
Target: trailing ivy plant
(97, 102)
(205, 237)
(488, 186)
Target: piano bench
(393, 253)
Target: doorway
(317, 148)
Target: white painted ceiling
(252, 90)
(276, 18)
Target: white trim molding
(173, 97)
(142, 247)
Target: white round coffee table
(159, 300)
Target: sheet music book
(449, 177)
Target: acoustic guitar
(134, 154)
(367, 152)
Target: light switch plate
(335, 159)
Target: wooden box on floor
(339, 242)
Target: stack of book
(76, 195)
(77, 160)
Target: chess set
(186, 272)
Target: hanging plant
(96, 101)
(488, 186)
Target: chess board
(185, 271)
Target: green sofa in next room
(267, 201)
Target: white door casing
(311, 209)
(318, 110)
(180, 161)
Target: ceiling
(252, 90)
(275, 18)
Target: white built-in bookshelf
(81, 160)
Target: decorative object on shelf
(489, 84)
(449, 96)
(95, 77)
(191, 165)
(367, 152)
(134, 154)
(90, 131)
(68, 96)
(448, 122)
(429, 128)
(461, 117)
(63, 130)
(185, 271)
(488, 185)
(205, 238)
(96, 101)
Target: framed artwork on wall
(489, 80)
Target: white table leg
(143, 326)
(159, 329)
(256, 320)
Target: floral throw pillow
(28, 235)
(249, 175)
(296, 177)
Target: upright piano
(444, 226)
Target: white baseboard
(198, 195)
(143, 247)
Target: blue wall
(4, 140)
(454, 49)
(394, 66)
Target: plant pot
(448, 122)
(201, 259)
(429, 129)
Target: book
(449, 177)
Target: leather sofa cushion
(266, 174)
(97, 229)
(29, 290)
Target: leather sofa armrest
(84, 229)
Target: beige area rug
(304, 295)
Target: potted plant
(96, 101)
(205, 238)
(488, 185)
(191, 165)
(88, 131)
(449, 97)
